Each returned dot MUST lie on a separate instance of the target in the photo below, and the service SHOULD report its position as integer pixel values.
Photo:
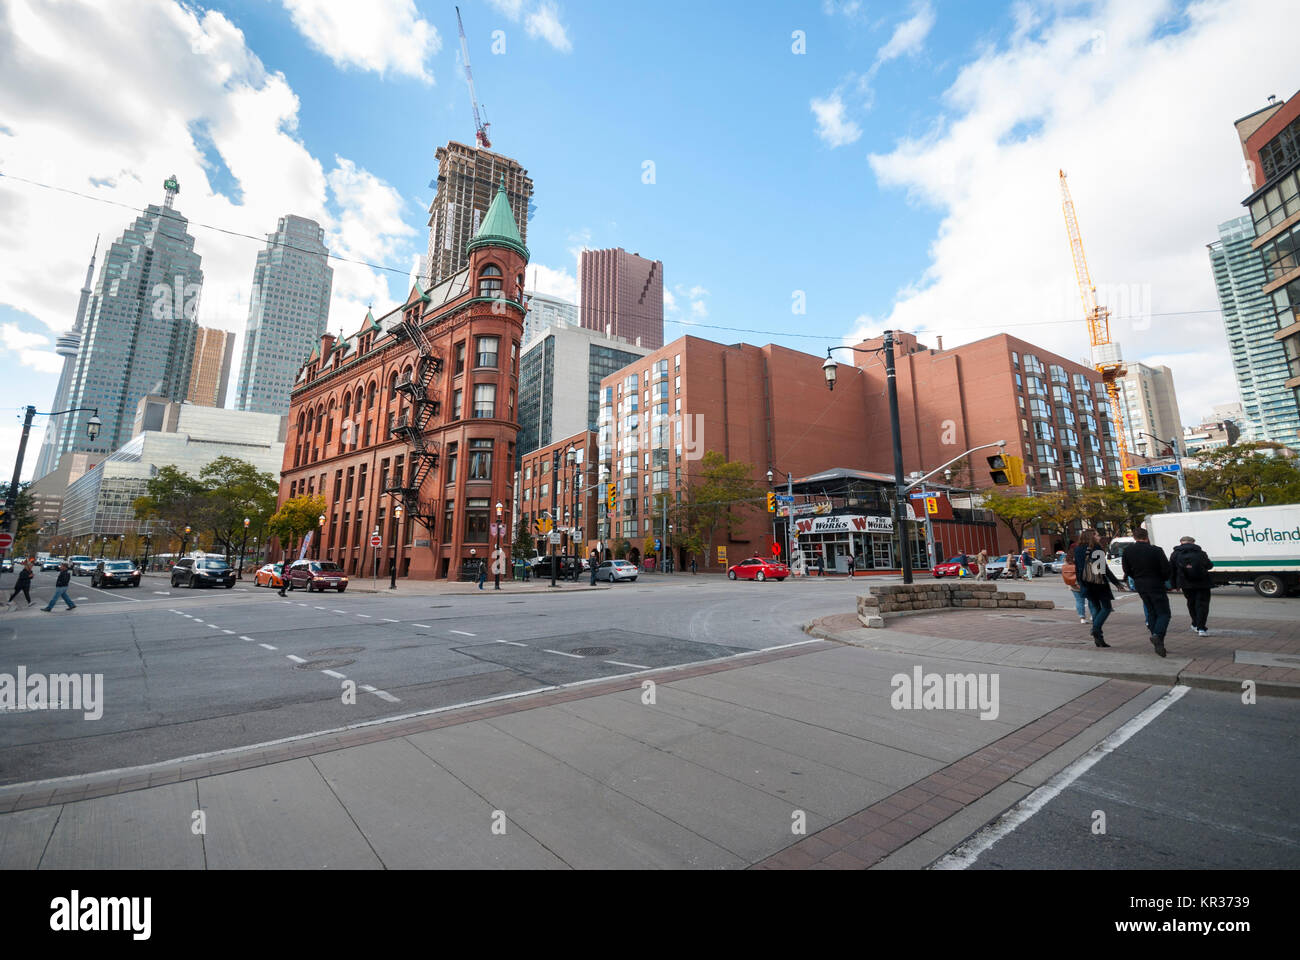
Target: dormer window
(489, 281)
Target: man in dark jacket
(1191, 574)
(1150, 571)
(61, 589)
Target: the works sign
(845, 524)
(1245, 535)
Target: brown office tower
(467, 183)
(210, 372)
(623, 296)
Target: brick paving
(863, 839)
(12, 798)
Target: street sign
(776, 548)
(782, 498)
(722, 556)
(554, 536)
(376, 541)
(1160, 468)
(658, 545)
(6, 541)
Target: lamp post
(320, 532)
(148, 542)
(496, 557)
(1183, 504)
(121, 541)
(887, 348)
(570, 458)
(239, 574)
(392, 572)
(11, 495)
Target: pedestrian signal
(998, 469)
(1131, 481)
(771, 503)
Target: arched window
(392, 385)
(347, 405)
(489, 282)
(370, 400)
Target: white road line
(196, 619)
(164, 593)
(561, 653)
(367, 687)
(320, 608)
(227, 631)
(249, 639)
(302, 604)
(213, 626)
(464, 634)
(620, 663)
(338, 611)
(970, 851)
(423, 625)
(513, 643)
(295, 659)
(366, 615)
(390, 620)
(266, 645)
(382, 695)
(332, 673)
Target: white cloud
(670, 301)
(175, 70)
(385, 36)
(27, 346)
(1141, 119)
(556, 283)
(909, 36)
(850, 8)
(541, 19)
(833, 126)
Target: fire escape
(411, 426)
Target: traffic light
(1131, 481)
(771, 503)
(998, 469)
(610, 490)
(1015, 468)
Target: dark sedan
(115, 573)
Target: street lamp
(185, 541)
(320, 532)
(242, 544)
(496, 557)
(392, 572)
(121, 540)
(829, 369)
(1182, 483)
(11, 495)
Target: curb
(1270, 688)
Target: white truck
(1259, 546)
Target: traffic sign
(376, 540)
(658, 545)
(776, 548)
(554, 536)
(783, 498)
(6, 541)
(1160, 468)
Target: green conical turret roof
(498, 227)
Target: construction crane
(480, 128)
(1098, 318)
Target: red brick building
(553, 485)
(418, 409)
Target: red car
(951, 569)
(757, 568)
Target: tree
(296, 518)
(1243, 474)
(621, 549)
(26, 524)
(1115, 509)
(173, 500)
(524, 545)
(1017, 513)
(235, 489)
(721, 492)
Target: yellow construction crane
(1098, 318)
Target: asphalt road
(190, 672)
(1209, 784)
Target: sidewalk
(1237, 649)
(715, 770)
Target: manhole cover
(593, 651)
(323, 664)
(334, 651)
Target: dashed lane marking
(389, 620)
(266, 645)
(424, 626)
(335, 674)
(249, 639)
(227, 631)
(295, 659)
(575, 656)
(620, 663)
(338, 611)
(463, 633)
(366, 615)
(381, 694)
(513, 643)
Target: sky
(808, 172)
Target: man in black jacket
(61, 589)
(1191, 574)
(1150, 570)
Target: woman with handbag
(1095, 577)
(1070, 574)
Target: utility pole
(900, 517)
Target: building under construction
(468, 178)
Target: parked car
(1056, 563)
(613, 570)
(202, 572)
(952, 568)
(564, 567)
(320, 575)
(6, 565)
(81, 565)
(758, 568)
(271, 575)
(998, 565)
(116, 573)
(51, 563)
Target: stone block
(988, 603)
(1013, 595)
(969, 603)
(1043, 604)
(874, 623)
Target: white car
(613, 570)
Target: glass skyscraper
(140, 327)
(1259, 361)
(287, 313)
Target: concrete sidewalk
(713, 765)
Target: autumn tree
(1115, 509)
(721, 493)
(296, 518)
(1018, 514)
(1244, 474)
